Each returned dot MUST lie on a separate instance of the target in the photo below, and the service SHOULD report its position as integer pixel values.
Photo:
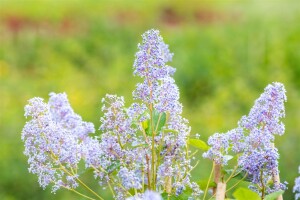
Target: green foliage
(225, 54)
(203, 183)
(245, 194)
(199, 144)
(274, 195)
(159, 120)
(185, 195)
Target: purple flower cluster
(253, 139)
(152, 56)
(53, 138)
(111, 152)
(222, 144)
(159, 92)
(259, 158)
(131, 143)
(144, 145)
(158, 87)
(219, 148)
(296, 188)
(267, 111)
(132, 140)
(130, 179)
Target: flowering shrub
(144, 151)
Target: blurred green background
(226, 52)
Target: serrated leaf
(245, 194)
(274, 195)
(200, 144)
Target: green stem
(209, 179)
(82, 183)
(75, 191)
(232, 174)
(89, 189)
(110, 188)
(148, 172)
(194, 153)
(144, 134)
(153, 149)
(237, 182)
(263, 186)
(143, 179)
(157, 122)
(62, 167)
(113, 182)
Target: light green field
(225, 54)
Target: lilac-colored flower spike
(267, 111)
(260, 156)
(253, 140)
(150, 64)
(296, 188)
(53, 139)
(152, 56)
(159, 96)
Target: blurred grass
(226, 52)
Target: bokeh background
(226, 52)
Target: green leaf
(145, 124)
(165, 196)
(170, 130)
(228, 157)
(245, 194)
(183, 196)
(203, 183)
(274, 195)
(159, 120)
(240, 175)
(200, 144)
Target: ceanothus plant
(144, 150)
